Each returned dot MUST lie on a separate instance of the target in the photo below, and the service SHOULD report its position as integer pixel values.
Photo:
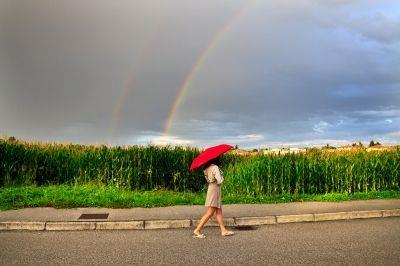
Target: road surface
(356, 242)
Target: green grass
(67, 196)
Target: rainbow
(199, 63)
(145, 51)
(144, 54)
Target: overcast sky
(278, 73)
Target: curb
(186, 223)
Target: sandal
(228, 233)
(199, 236)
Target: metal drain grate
(93, 216)
(245, 228)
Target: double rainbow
(200, 62)
(194, 70)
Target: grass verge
(67, 196)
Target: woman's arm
(218, 175)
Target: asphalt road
(355, 242)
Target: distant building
(239, 152)
(283, 151)
(379, 148)
(297, 150)
(346, 148)
(275, 151)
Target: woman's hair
(215, 161)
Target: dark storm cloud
(293, 72)
(66, 64)
(303, 73)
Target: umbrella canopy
(209, 154)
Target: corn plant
(152, 167)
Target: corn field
(315, 172)
(151, 167)
(134, 167)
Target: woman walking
(214, 177)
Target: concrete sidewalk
(188, 216)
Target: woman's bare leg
(210, 211)
(220, 221)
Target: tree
(373, 143)
(328, 146)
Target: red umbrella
(209, 154)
